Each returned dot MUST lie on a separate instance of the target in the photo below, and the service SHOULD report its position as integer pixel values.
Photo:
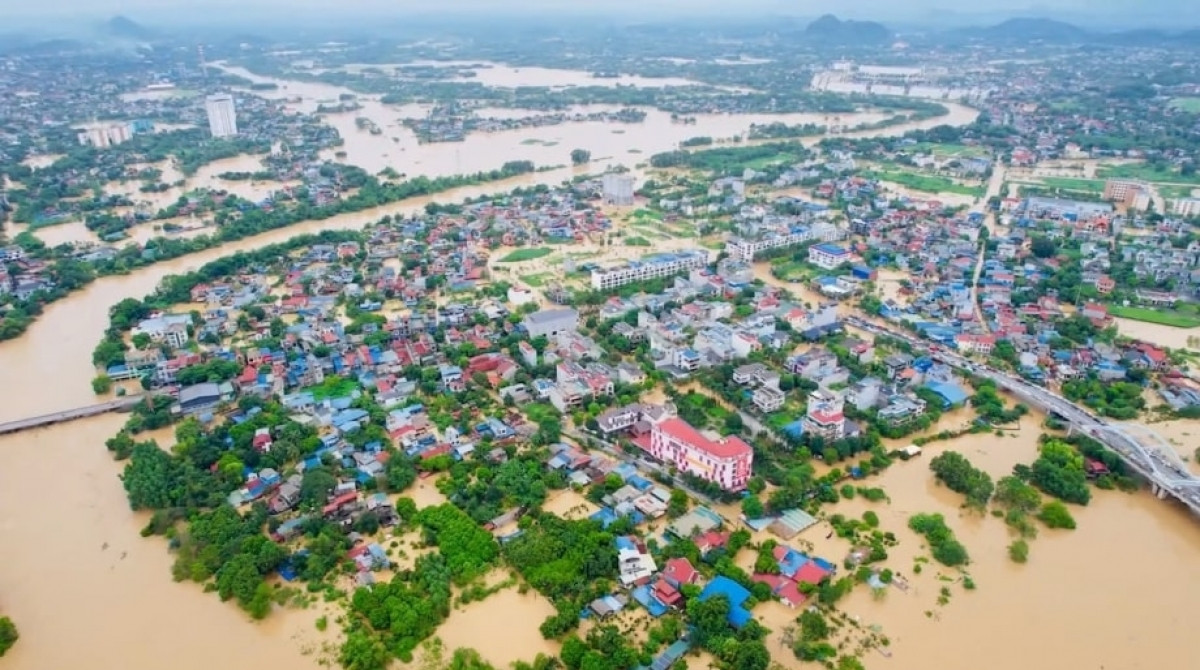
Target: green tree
(678, 505)
(580, 156)
(1056, 515)
(1043, 247)
(8, 634)
(316, 486)
(573, 650)
(1059, 471)
(957, 473)
(1016, 494)
(752, 507)
(361, 651)
(1018, 551)
(102, 384)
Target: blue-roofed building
(795, 429)
(645, 597)
(952, 394)
(346, 417)
(604, 516)
(735, 593)
(828, 255)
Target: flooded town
(832, 347)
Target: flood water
(1110, 594)
(609, 143)
(73, 564)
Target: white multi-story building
(748, 250)
(222, 116)
(106, 135)
(648, 267)
(767, 399)
(551, 322)
(1187, 207)
(824, 416)
(618, 189)
(828, 256)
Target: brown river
(86, 591)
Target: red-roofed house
(711, 540)
(666, 593)
(724, 461)
(679, 571)
(811, 573)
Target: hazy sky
(807, 7)
(175, 11)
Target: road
(1151, 456)
(989, 223)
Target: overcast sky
(882, 9)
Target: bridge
(1143, 451)
(123, 404)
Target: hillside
(830, 30)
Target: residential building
(519, 295)
(748, 249)
(200, 398)
(972, 343)
(106, 135)
(633, 561)
(617, 189)
(865, 394)
(1131, 193)
(828, 256)
(824, 416)
(724, 461)
(1187, 207)
(756, 374)
(222, 116)
(767, 399)
(653, 266)
(551, 322)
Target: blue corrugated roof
(952, 393)
(735, 593)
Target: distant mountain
(1026, 30)
(1060, 32)
(831, 30)
(125, 28)
(51, 46)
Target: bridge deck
(68, 415)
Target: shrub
(1056, 515)
(1018, 551)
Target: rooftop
(725, 447)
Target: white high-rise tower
(222, 119)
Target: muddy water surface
(610, 143)
(87, 591)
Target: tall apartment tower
(618, 188)
(222, 119)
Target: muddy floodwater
(87, 591)
(609, 143)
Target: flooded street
(72, 559)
